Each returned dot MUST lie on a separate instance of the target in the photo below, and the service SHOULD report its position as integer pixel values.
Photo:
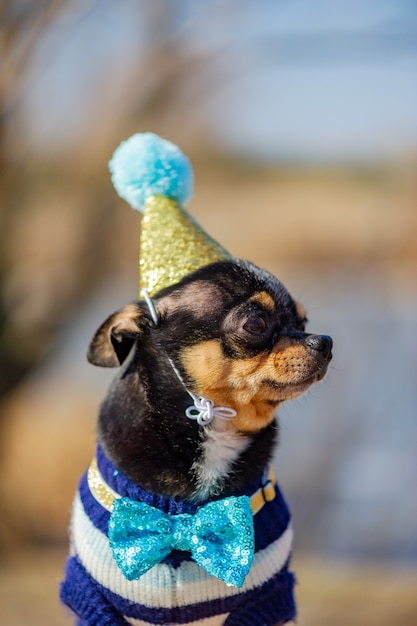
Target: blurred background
(300, 119)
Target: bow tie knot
(219, 536)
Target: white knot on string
(203, 411)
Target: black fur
(142, 425)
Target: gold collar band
(106, 496)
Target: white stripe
(162, 586)
(217, 620)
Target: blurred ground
(327, 593)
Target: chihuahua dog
(231, 333)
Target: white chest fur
(222, 444)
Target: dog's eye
(255, 325)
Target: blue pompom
(146, 165)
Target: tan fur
(101, 351)
(265, 299)
(254, 387)
(301, 312)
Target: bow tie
(219, 535)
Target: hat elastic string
(202, 410)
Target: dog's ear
(114, 339)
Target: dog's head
(234, 333)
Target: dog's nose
(320, 343)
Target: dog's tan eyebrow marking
(265, 299)
(301, 312)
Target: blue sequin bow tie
(219, 535)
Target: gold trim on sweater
(105, 495)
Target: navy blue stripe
(270, 522)
(267, 604)
(173, 506)
(97, 514)
(85, 597)
(126, 488)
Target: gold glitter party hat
(156, 178)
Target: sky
(342, 81)
(307, 80)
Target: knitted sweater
(176, 591)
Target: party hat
(156, 178)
